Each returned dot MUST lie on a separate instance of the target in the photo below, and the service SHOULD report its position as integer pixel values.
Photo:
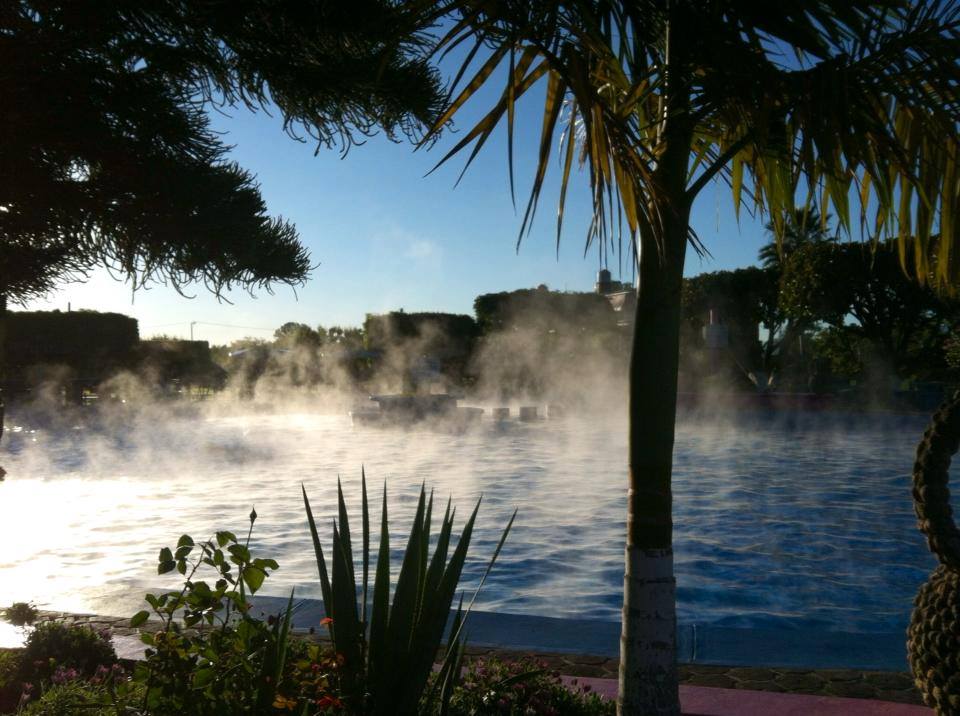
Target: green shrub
(389, 651)
(76, 697)
(522, 688)
(221, 660)
(9, 667)
(70, 650)
(20, 614)
(9, 680)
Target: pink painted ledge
(708, 701)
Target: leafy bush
(389, 651)
(78, 697)
(9, 680)
(20, 614)
(225, 661)
(55, 648)
(522, 688)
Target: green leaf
(253, 577)
(167, 566)
(346, 629)
(378, 655)
(139, 618)
(185, 541)
(224, 538)
(240, 553)
(318, 553)
(166, 555)
(203, 676)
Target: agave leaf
(403, 615)
(283, 639)
(318, 552)
(493, 559)
(366, 556)
(439, 560)
(345, 628)
(435, 616)
(378, 668)
(345, 529)
(450, 668)
(424, 555)
(274, 657)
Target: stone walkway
(850, 683)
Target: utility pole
(192, 324)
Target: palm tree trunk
(648, 682)
(648, 669)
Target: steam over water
(779, 523)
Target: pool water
(781, 522)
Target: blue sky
(384, 236)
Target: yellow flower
(282, 702)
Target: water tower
(604, 283)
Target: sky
(384, 236)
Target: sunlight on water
(777, 524)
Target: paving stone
(910, 696)
(590, 670)
(687, 670)
(841, 674)
(801, 683)
(720, 681)
(850, 689)
(588, 659)
(760, 686)
(750, 673)
(891, 680)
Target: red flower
(328, 702)
(326, 620)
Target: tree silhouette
(799, 228)
(106, 153)
(815, 98)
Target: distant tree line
(832, 316)
(815, 315)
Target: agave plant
(389, 647)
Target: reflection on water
(791, 525)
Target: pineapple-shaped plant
(933, 639)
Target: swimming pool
(797, 522)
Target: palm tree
(811, 100)
(800, 227)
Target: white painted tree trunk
(648, 660)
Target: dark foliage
(865, 293)
(552, 310)
(523, 688)
(106, 154)
(54, 648)
(92, 344)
